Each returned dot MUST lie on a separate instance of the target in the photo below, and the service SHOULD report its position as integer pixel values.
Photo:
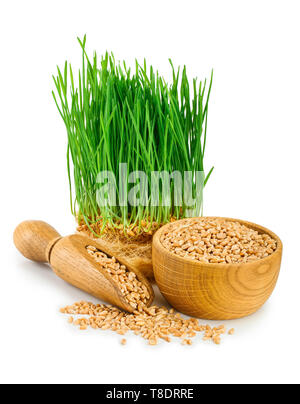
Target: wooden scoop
(69, 259)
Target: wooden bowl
(215, 291)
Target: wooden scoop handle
(35, 239)
(69, 259)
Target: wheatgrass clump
(115, 115)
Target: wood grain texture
(216, 291)
(70, 261)
(34, 239)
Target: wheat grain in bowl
(217, 240)
(216, 268)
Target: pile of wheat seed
(153, 323)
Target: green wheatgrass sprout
(116, 115)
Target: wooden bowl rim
(157, 243)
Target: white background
(253, 141)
